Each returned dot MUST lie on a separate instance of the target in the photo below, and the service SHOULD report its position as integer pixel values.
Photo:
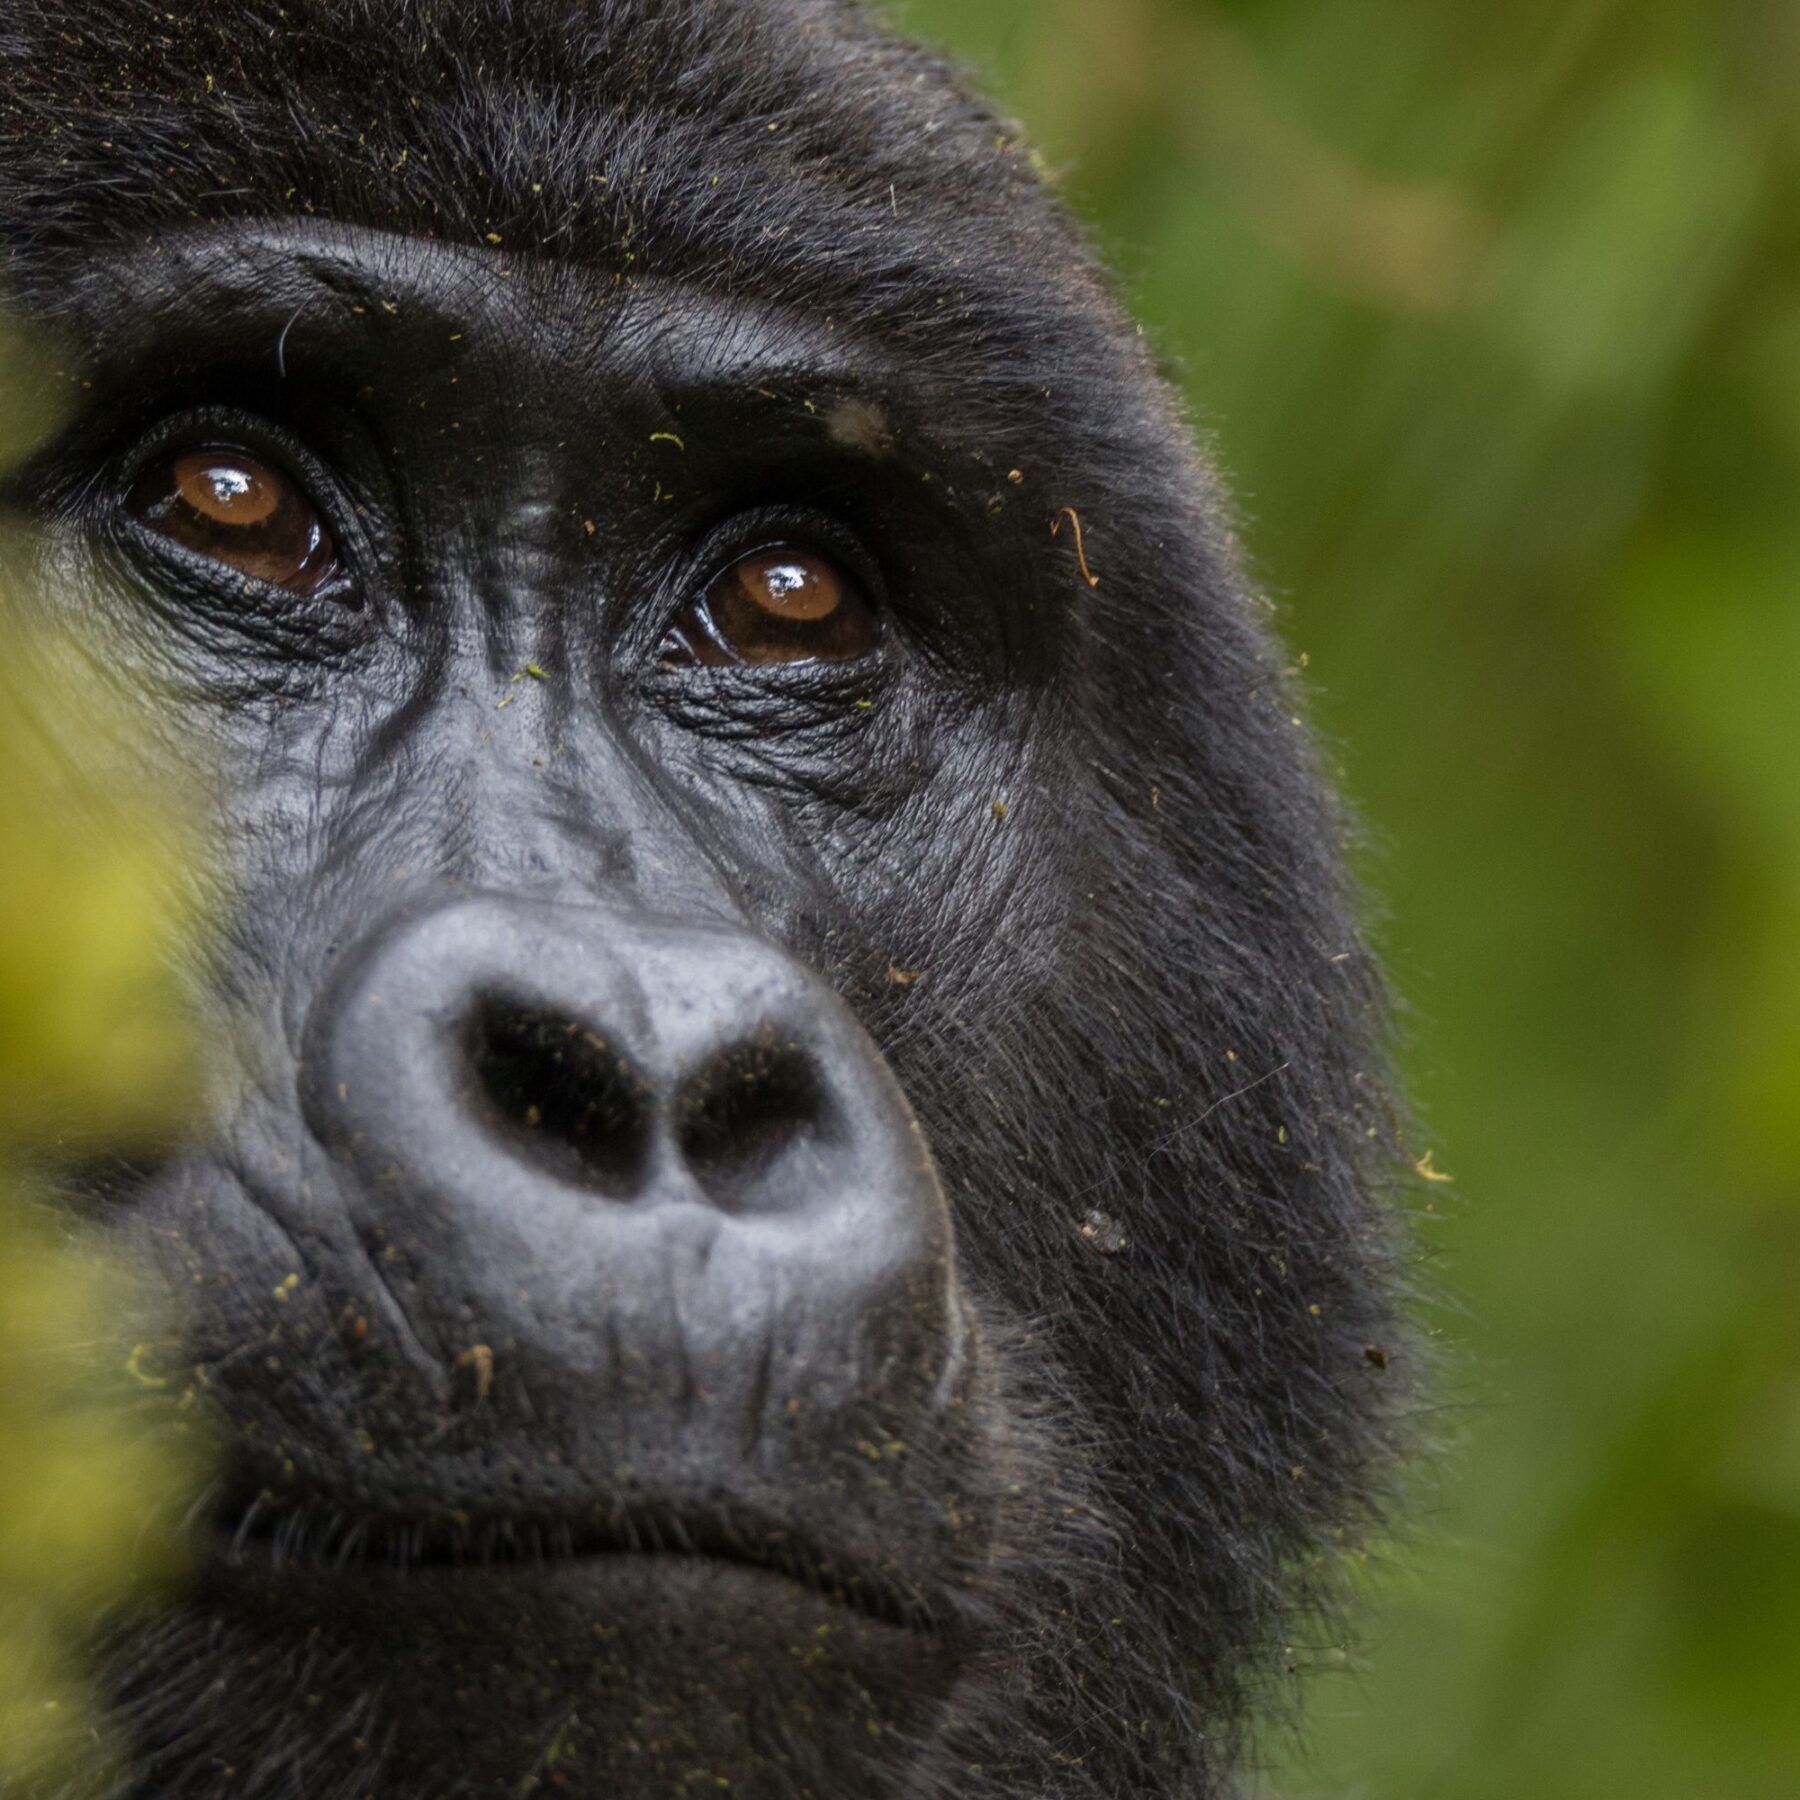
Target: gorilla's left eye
(785, 603)
(233, 506)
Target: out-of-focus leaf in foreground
(95, 1066)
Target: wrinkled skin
(813, 1226)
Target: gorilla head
(793, 1203)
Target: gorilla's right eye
(235, 507)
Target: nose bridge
(534, 788)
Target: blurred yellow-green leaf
(95, 1060)
(90, 1046)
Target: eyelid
(232, 427)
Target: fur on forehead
(776, 139)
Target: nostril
(559, 1094)
(746, 1111)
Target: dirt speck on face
(1104, 1232)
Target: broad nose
(621, 1140)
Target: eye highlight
(235, 507)
(782, 604)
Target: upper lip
(321, 1535)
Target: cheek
(187, 654)
(84, 622)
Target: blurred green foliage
(1494, 315)
(93, 1061)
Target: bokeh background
(1492, 314)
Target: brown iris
(781, 604)
(230, 505)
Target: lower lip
(619, 1581)
(587, 1627)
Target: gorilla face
(790, 1204)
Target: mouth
(320, 1542)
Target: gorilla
(798, 1188)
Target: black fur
(1146, 1046)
